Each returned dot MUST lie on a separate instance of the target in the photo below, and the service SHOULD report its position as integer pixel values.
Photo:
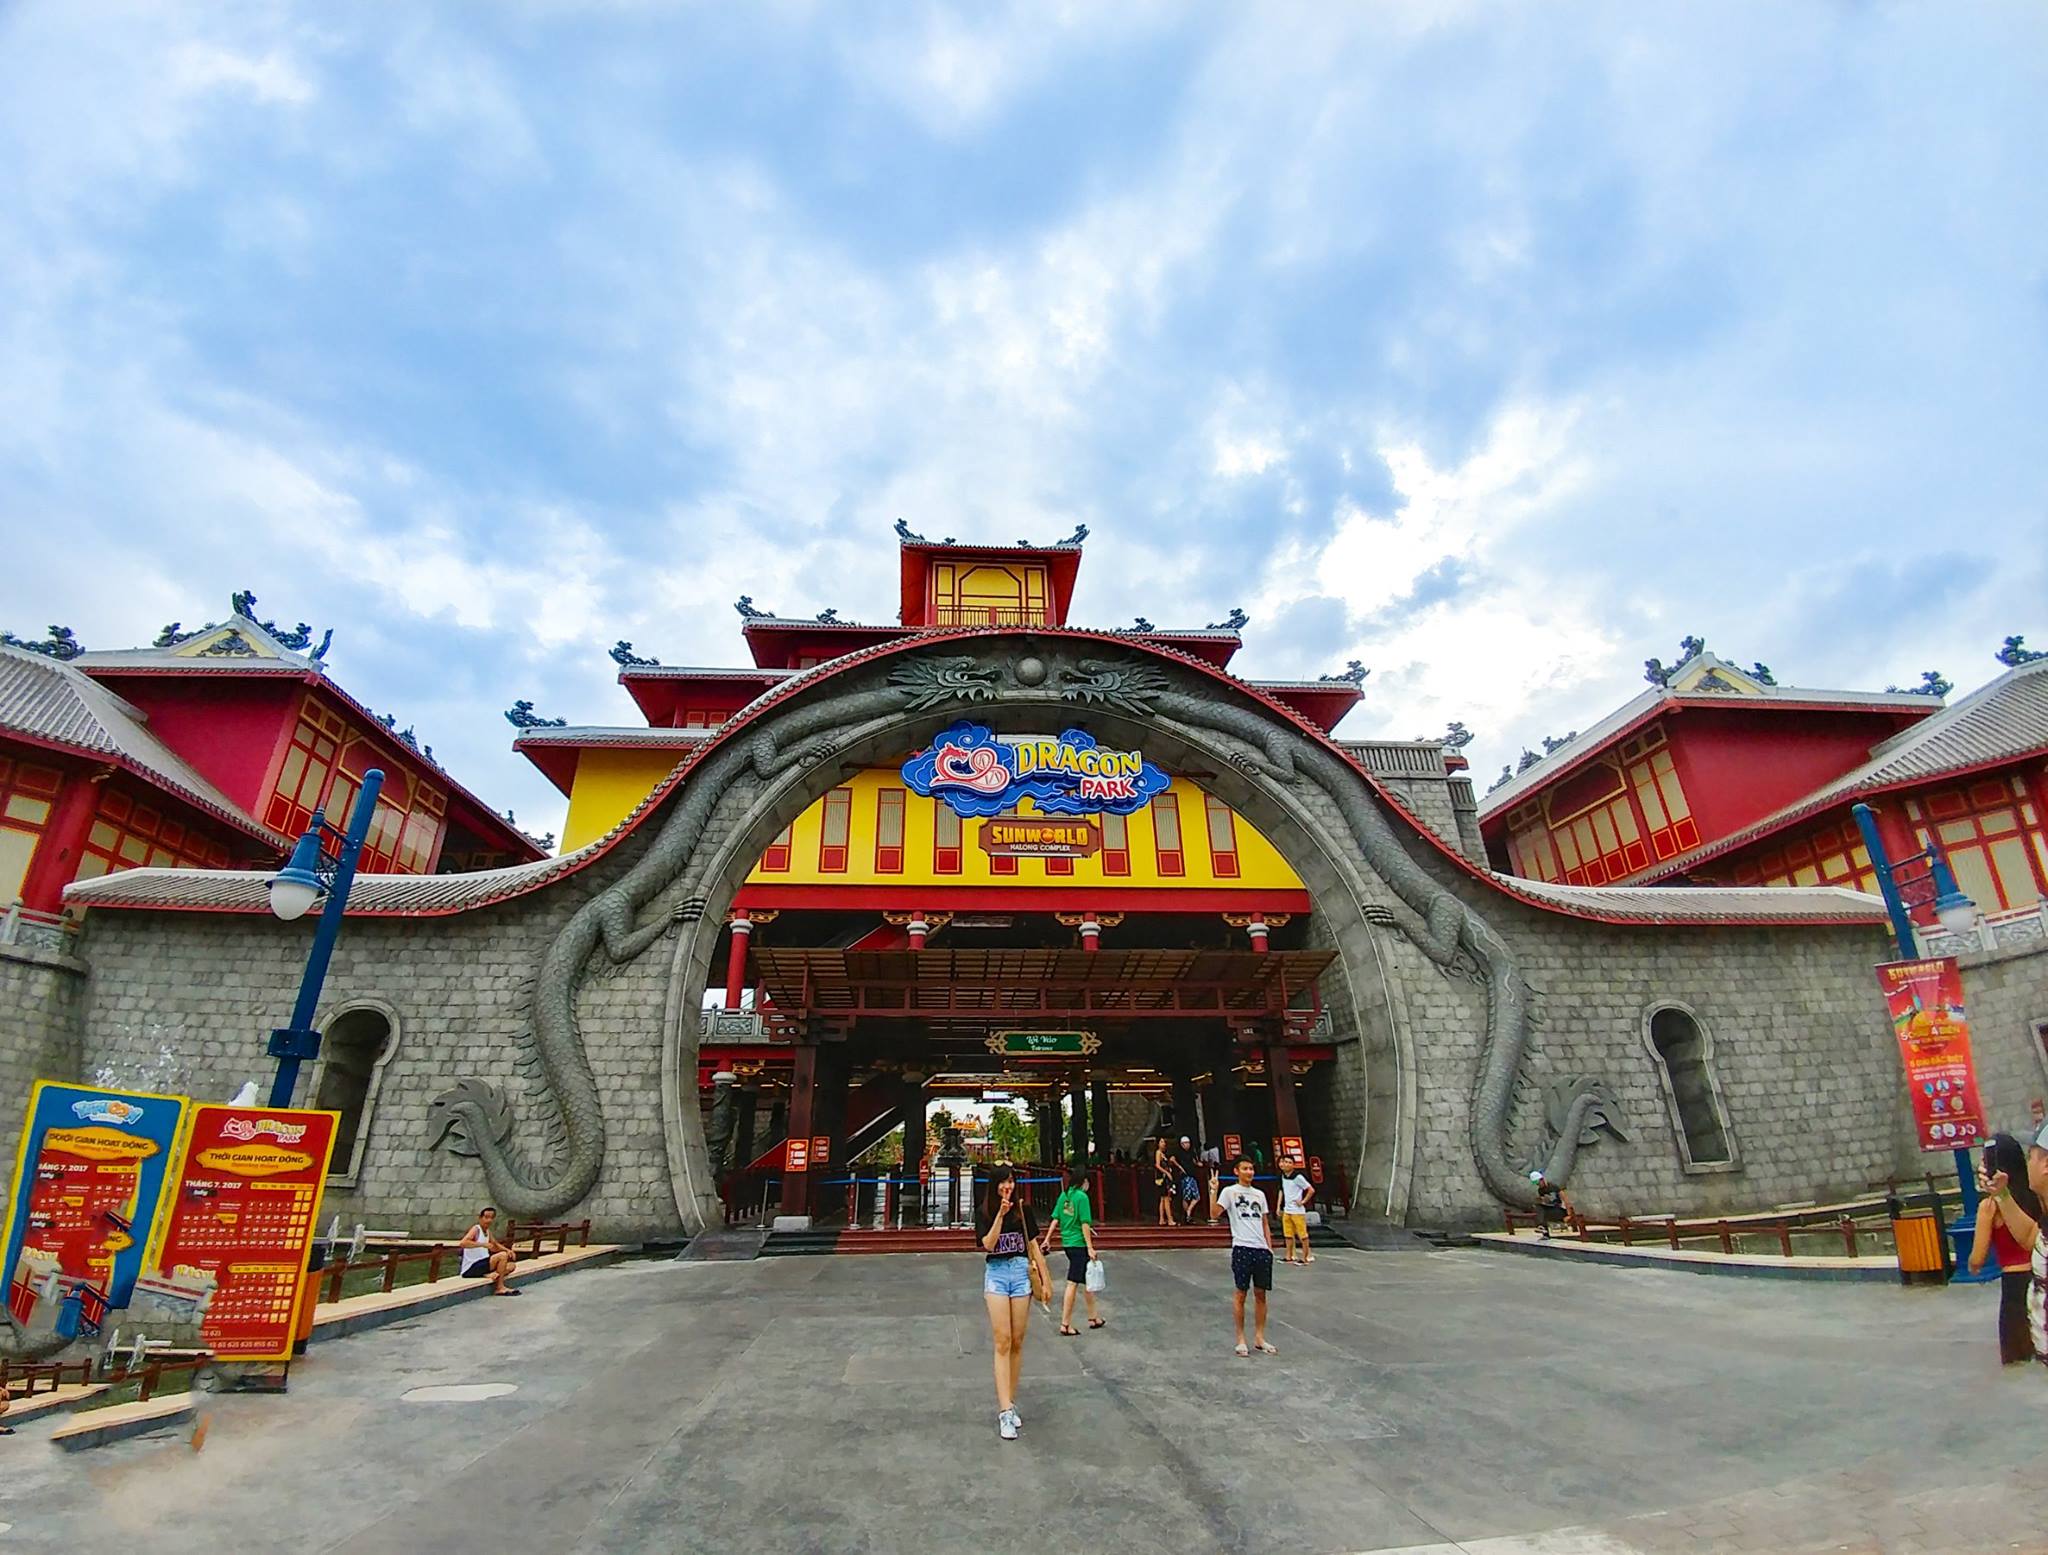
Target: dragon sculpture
(627, 917)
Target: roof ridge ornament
(906, 533)
(1234, 622)
(61, 644)
(1355, 672)
(748, 612)
(2016, 652)
(299, 639)
(1932, 684)
(520, 715)
(624, 656)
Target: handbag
(1041, 1277)
(1097, 1280)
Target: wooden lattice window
(889, 831)
(27, 794)
(835, 831)
(1993, 841)
(945, 839)
(1222, 838)
(1116, 845)
(128, 833)
(1166, 834)
(776, 859)
(309, 760)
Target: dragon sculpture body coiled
(628, 916)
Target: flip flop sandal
(1098, 1322)
(1267, 1349)
(1070, 1333)
(1244, 1351)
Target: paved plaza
(1433, 1401)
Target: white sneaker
(1006, 1425)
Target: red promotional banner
(1926, 1003)
(242, 1217)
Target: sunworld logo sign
(976, 774)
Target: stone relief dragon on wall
(625, 919)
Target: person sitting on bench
(485, 1257)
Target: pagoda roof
(1062, 563)
(1325, 702)
(655, 688)
(47, 702)
(259, 654)
(1748, 694)
(2002, 721)
(554, 750)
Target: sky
(1498, 347)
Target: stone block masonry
(41, 998)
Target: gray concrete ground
(1420, 1401)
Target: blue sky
(1499, 347)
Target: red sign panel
(1290, 1150)
(1039, 836)
(798, 1154)
(1233, 1147)
(821, 1150)
(243, 1214)
(1926, 1002)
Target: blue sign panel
(87, 1184)
(977, 775)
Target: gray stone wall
(186, 1002)
(2006, 992)
(41, 994)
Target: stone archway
(1363, 862)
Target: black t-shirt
(1550, 1196)
(1019, 1231)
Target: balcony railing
(21, 925)
(2010, 929)
(990, 615)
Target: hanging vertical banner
(241, 1220)
(1926, 1002)
(88, 1178)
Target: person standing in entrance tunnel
(1163, 1183)
(1006, 1230)
(1251, 1252)
(1076, 1226)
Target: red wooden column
(60, 846)
(1257, 925)
(1089, 925)
(917, 929)
(736, 959)
(803, 1109)
(1286, 1113)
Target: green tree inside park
(1015, 1138)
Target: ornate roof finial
(520, 715)
(1080, 533)
(1140, 624)
(745, 606)
(243, 603)
(829, 615)
(1355, 672)
(905, 532)
(624, 656)
(1550, 745)
(1761, 674)
(1234, 622)
(1457, 737)
(1932, 684)
(60, 644)
(2016, 652)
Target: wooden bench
(117, 1422)
(536, 1232)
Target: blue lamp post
(294, 889)
(1956, 913)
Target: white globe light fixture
(296, 887)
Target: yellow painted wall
(1260, 866)
(609, 783)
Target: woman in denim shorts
(1005, 1229)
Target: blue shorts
(1251, 1266)
(1008, 1277)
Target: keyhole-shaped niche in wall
(356, 1044)
(1685, 1064)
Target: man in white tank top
(485, 1257)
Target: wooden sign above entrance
(1039, 836)
(1044, 1044)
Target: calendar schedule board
(91, 1170)
(243, 1211)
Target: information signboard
(88, 1178)
(1043, 1044)
(242, 1218)
(797, 1157)
(1233, 1147)
(1039, 836)
(1928, 1018)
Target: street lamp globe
(1955, 912)
(296, 887)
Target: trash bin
(1922, 1254)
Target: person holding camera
(2002, 1199)
(2005, 1161)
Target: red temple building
(210, 749)
(1177, 923)
(1719, 776)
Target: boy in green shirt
(1075, 1224)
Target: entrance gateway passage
(1101, 1051)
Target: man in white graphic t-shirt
(1251, 1252)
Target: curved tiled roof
(1708, 904)
(432, 895)
(45, 700)
(2003, 720)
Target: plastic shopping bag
(1097, 1280)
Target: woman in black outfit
(2015, 1267)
